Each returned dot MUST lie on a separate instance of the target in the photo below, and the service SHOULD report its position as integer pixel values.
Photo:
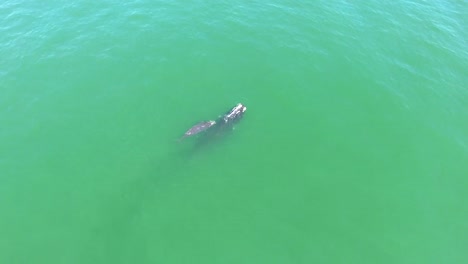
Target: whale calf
(202, 126)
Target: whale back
(200, 127)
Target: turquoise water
(354, 147)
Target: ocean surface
(353, 149)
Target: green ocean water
(354, 147)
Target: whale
(199, 127)
(234, 114)
(223, 124)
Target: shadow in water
(214, 136)
(128, 206)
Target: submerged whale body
(202, 126)
(221, 124)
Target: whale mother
(222, 123)
(234, 114)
